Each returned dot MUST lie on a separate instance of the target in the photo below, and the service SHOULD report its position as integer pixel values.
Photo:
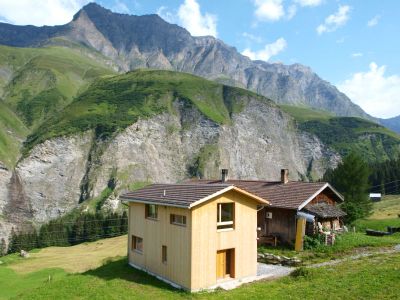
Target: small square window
(151, 211)
(137, 244)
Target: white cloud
(374, 21)
(167, 15)
(357, 54)
(291, 12)
(252, 37)
(269, 10)
(44, 12)
(120, 7)
(309, 2)
(335, 20)
(194, 21)
(269, 50)
(377, 94)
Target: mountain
(148, 41)
(392, 123)
(75, 131)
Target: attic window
(225, 216)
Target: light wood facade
(197, 255)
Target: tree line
(68, 232)
(385, 177)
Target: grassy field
(388, 208)
(366, 278)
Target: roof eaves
(312, 196)
(136, 200)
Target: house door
(225, 263)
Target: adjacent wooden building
(193, 235)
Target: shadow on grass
(119, 269)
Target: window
(178, 220)
(151, 211)
(137, 244)
(225, 215)
(164, 254)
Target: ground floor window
(137, 244)
(164, 254)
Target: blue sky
(353, 44)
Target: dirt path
(357, 256)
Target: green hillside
(113, 103)
(345, 134)
(37, 83)
(12, 133)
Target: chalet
(193, 236)
(290, 200)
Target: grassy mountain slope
(374, 142)
(42, 81)
(113, 103)
(37, 83)
(12, 132)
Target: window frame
(135, 242)
(173, 222)
(225, 225)
(147, 211)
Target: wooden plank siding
(325, 196)
(158, 233)
(282, 224)
(206, 240)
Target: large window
(225, 215)
(137, 244)
(178, 220)
(151, 211)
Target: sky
(353, 44)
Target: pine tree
(3, 248)
(351, 179)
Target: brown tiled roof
(290, 195)
(180, 195)
(324, 210)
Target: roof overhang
(326, 185)
(227, 189)
(200, 201)
(150, 202)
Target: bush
(313, 241)
(301, 272)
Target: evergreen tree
(3, 249)
(351, 179)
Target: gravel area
(273, 271)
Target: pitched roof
(324, 210)
(291, 195)
(183, 195)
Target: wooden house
(193, 236)
(290, 200)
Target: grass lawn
(367, 278)
(75, 259)
(388, 208)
